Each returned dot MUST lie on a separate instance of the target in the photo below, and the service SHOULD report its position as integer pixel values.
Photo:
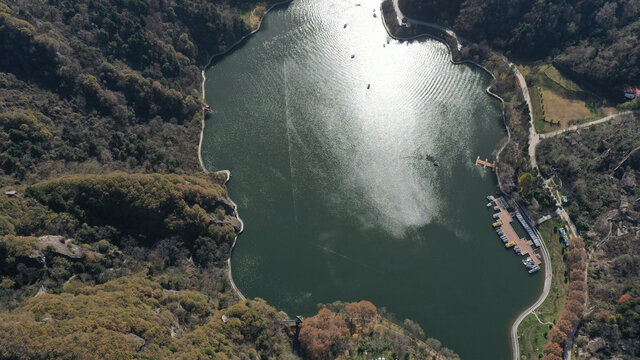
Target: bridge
(485, 163)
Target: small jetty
(207, 111)
(485, 163)
(292, 322)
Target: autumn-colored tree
(577, 295)
(557, 336)
(576, 255)
(624, 298)
(576, 242)
(576, 275)
(565, 326)
(568, 316)
(551, 357)
(552, 349)
(578, 285)
(321, 333)
(575, 307)
(360, 315)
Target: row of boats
(529, 264)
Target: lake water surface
(331, 180)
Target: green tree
(525, 183)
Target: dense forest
(596, 40)
(89, 86)
(107, 249)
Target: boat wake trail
(350, 259)
(289, 125)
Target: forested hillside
(89, 86)
(598, 169)
(131, 264)
(595, 39)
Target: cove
(328, 131)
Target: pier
(485, 163)
(505, 218)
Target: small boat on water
(368, 86)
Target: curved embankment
(227, 173)
(545, 253)
(487, 90)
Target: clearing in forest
(563, 110)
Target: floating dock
(485, 163)
(509, 236)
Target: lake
(330, 133)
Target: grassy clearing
(552, 73)
(531, 332)
(559, 102)
(563, 110)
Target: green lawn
(531, 332)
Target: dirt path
(540, 321)
(534, 137)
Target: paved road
(587, 124)
(546, 259)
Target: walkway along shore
(545, 253)
(227, 173)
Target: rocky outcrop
(226, 220)
(61, 246)
(596, 344)
(628, 182)
(137, 340)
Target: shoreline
(461, 62)
(547, 283)
(545, 254)
(227, 173)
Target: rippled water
(338, 200)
